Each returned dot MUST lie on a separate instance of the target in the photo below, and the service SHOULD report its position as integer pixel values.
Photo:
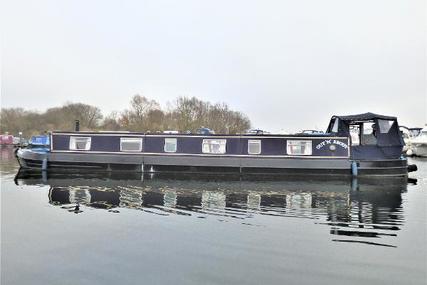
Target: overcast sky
(286, 64)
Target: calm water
(175, 230)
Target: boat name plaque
(330, 142)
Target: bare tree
(185, 114)
(89, 116)
(192, 113)
(111, 122)
(136, 118)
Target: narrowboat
(40, 142)
(358, 145)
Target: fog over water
(286, 64)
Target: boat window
(369, 134)
(385, 125)
(130, 144)
(414, 132)
(254, 146)
(368, 128)
(213, 146)
(335, 127)
(299, 147)
(355, 134)
(170, 144)
(80, 143)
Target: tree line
(143, 115)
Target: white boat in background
(407, 137)
(418, 145)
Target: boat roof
(365, 117)
(266, 135)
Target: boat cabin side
(324, 146)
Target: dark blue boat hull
(67, 162)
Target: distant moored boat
(419, 143)
(6, 140)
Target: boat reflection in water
(361, 211)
